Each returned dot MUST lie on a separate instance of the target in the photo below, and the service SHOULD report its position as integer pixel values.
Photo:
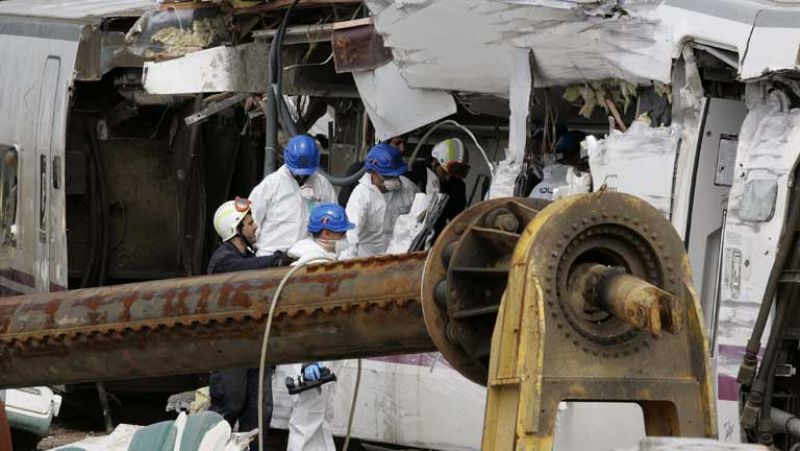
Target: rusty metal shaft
(351, 309)
(629, 298)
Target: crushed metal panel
(394, 107)
(769, 147)
(775, 44)
(766, 37)
(220, 69)
(573, 42)
(577, 40)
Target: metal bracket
(215, 108)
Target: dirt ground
(61, 435)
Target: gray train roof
(74, 10)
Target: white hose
(352, 408)
(464, 129)
(263, 359)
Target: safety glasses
(242, 204)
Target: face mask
(392, 184)
(335, 246)
(307, 192)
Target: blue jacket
(227, 258)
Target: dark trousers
(234, 395)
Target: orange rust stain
(241, 297)
(202, 302)
(127, 302)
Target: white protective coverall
(281, 207)
(307, 429)
(374, 214)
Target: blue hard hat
(301, 155)
(386, 160)
(329, 217)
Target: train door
(45, 117)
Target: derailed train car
(124, 123)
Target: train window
(57, 173)
(9, 163)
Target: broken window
(758, 202)
(9, 163)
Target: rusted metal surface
(358, 48)
(632, 300)
(366, 307)
(5, 430)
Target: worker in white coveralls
(382, 195)
(328, 226)
(283, 200)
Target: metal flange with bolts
(593, 303)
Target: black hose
(286, 118)
(89, 273)
(271, 118)
(289, 125)
(765, 431)
(95, 274)
(750, 360)
(343, 181)
(103, 207)
(274, 102)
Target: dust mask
(392, 184)
(334, 246)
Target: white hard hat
(449, 151)
(228, 217)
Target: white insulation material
(394, 107)
(415, 400)
(409, 225)
(639, 162)
(503, 179)
(520, 88)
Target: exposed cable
(264, 344)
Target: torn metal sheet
(393, 107)
(220, 69)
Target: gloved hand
(281, 258)
(311, 372)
